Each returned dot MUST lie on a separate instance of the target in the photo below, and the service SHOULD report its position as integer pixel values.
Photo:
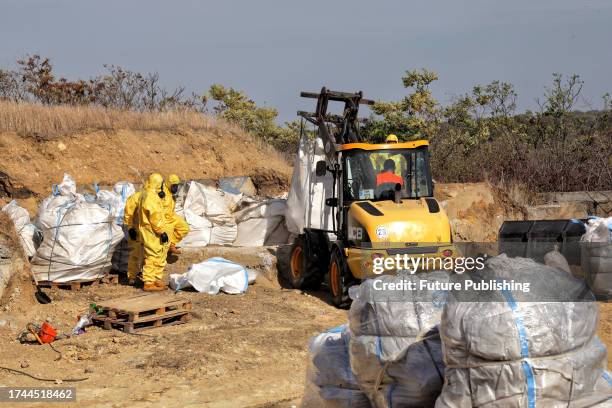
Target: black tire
(339, 280)
(302, 272)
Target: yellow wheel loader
(382, 204)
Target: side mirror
(331, 202)
(321, 168)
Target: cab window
(374, 175)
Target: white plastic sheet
(214, 275)
(26, 230)
(79, 237)
(306, 200)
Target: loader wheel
(339, 280)
(302, 273)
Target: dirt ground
(237, 351)
(476, 210)
(604, 331)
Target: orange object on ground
(47, 333)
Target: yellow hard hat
(173, 179)
(391, 139)
(155, 181)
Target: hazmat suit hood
(172, 184)
(154, 182)
(173, 179)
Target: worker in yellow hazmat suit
(152, 228)
(177, 226)
(130, 220)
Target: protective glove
(133, 234)
(163, 237)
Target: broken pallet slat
(136, 301)
(161, 321)
(113, 303)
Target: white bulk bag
(79, 237)
(598, 230)
(115, 200)
(208, 211)
(23, 226)
(306, 200)
(261, 222)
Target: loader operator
(177, 226)
(388, 174)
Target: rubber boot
(152, 287)
(161, 284)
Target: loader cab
(381, 172)
(373, 171)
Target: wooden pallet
(143, 311)
(147, 323)
(110, 279)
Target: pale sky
(273, 49)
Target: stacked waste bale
(208, 211)
(261, 222)
(596, 256)
(521, 348)
(394, 348)
(79, 237)
(330, 382)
